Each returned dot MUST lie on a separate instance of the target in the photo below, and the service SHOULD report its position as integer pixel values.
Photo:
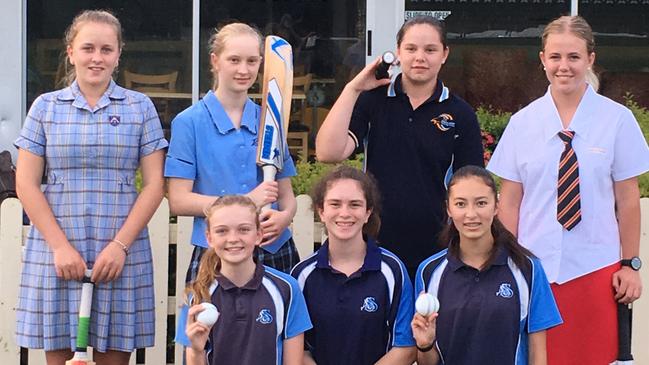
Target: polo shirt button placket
(477, 277)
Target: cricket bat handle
(269, 175)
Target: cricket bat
(276, 94)
(81, 352)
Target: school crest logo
(114, 120)
(264, 317)
(443, 122)
(505, 291)
(369, 305)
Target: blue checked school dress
(91, 156)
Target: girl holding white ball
(262, 316)
(495, 302)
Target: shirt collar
(249, 118)
(253, 284)
(440, 93)
(502, 255)
(549, 115)
(73, 92)
(372, 261)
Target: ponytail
(592, 79)
(208, 269)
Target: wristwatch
(635, 263)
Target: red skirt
(588, 335)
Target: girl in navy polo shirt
(495, 301)
(358, 294)
(263, 315)
(213, 151)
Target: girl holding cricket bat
(495, 303)
(262, 311)
(89, 138)
(214, 147)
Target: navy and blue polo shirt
(356, 319)
(485, 316)
(255, 319)
(412, 154)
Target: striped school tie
(568, 200)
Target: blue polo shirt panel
(207, 148)
(356, 319)
(255, 318)
(412, 153)
(485, 316)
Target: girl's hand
(265, 193)
(196, 331)
(424, 329)
(627, 285)
(68, 263)
(273, 223)
(109, 263)
(365, 80)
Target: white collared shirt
(609, 146)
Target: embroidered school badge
(443, 122)
(369, 305)
(505, 291)
(264, 317)
(114, 120)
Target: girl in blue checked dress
(89, 139)
(263, 314)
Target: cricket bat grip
(269, 175)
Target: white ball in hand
(208, 315)
(426, 304)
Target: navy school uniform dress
(485, 316)
(255, 319)
(356, 319)
(412, 154)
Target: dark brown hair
(368, 186)
(210, 265)
(502, 237)
(423, 19)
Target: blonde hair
(216, 43)
(210, 264)
(578, 27)
(89, 16)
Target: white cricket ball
(208, 315)
(426, 304)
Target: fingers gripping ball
(208, 315)
(426, 304)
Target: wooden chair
(301, 85)
(154, 83)
(298, 145)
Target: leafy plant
(308, 173)
(493, 121)
(642, 116)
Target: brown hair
(217, 40)
(89, 16)
(368, 186)
(502, 237)
(423, 19)
(579, 27)
(210, 265)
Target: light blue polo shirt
(207, 148)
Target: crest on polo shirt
(114, 120)
(505, 291)
(443, 122)
(369, 305)
(264, 317)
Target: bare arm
(308, 358)
(424, 330)
(398, 356)
(511, 196)
(538, 354)
(333, 144)
(110, 261)
(67, 261)
(293, 350)
(626, 281)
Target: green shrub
(642, 116)
(308, 173)
(492, 121)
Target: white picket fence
(163, 234)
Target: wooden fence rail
(163, 235)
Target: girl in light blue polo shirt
(213, 151)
